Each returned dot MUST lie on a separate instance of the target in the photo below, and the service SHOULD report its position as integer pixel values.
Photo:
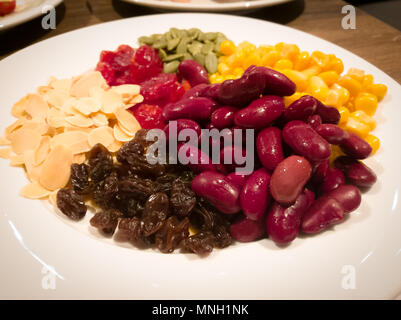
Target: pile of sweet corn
(354, 94)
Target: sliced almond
(68, 106)
(5, 153)
(69, 138)
(18, 109)
(53, 197)
(13, 127)
(43, 90)
(81, 87)
(80, 147)
(79, 121)
(127, 120)
(120, 135)
(55, 171)
(96, 93)
(42, 151)
(36, 107)
(87, 106)
(55, 118)
(100, 119)
(40, 127)
(34, 191)
(32, 170)
(4, 141)
(79, 158)
(135, 100)
(127, 90)
(24, 140)
(17, 160)
(111, 100)
(115, 146)
(103, 135)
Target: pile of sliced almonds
(59, 124)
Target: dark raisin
(155, 213)
(139, 189)
(182, 198)
(100, 163)
(130, 207)
(80, 178)
(106, 221)
(129, 229)
(71, 204)
(200, 243)
(171, 234)
(105, 192)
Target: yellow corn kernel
(300, 80)
(356, 74)
(319, 59)
(279, 46)
(312, 71)
(227, 47)
(247, 47)
(229, 77)
(290, 99)
(335, 153)
(362, 116)
(344, 115)
(263, 50)
(234, 60)
(330, 77)
(283, 64)
(271, 58)
(238, 71)
(374, 142)
(367, 81)
(367, 102)
(251, 59)
(358, 127)
(222, 68)
(335, 64)
(219, 79)
(379, 90)
(213, 77)
(318, 88)
(289, 51)
(302, 61)
(349, 83)
(333, 98)
(344, 93)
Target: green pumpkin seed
(145, 40)
(162, 54)
(207, 47)
(182, 46)
(211, 36)
(211, 62)
(188, 56)
(171, 67)
(195, 47)
(172, 57)
(200, 58)
(172, 44)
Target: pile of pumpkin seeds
(177, 45)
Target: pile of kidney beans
(293, 187)
(149, 205)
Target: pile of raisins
(148, 205)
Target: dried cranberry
(71, 204)
(145, 64)
(149, 116)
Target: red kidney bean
(260, 112)
(199, 161)
(234, 153)
(305, 141)
(255, 195)
(356, 171)
(320, 171)
(240, 92)
(283, 223)
(211, 91)
(220, 192)
(289, 178)
(310, 196)
(348, 196)
(198, 109)
(195, 91)
(184, 124)
(332, 133)
(193, 72)
(328, 114)
(301, 109)
(277, 83)
(223, 117)
(269, 147)
(238, 178)
(246, 230)
(334, 178)
(314, 121)
(356, 147)
(324, 212)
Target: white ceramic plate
(25, 10)
(34, 238)
(207, 5)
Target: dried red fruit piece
(145, 64)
